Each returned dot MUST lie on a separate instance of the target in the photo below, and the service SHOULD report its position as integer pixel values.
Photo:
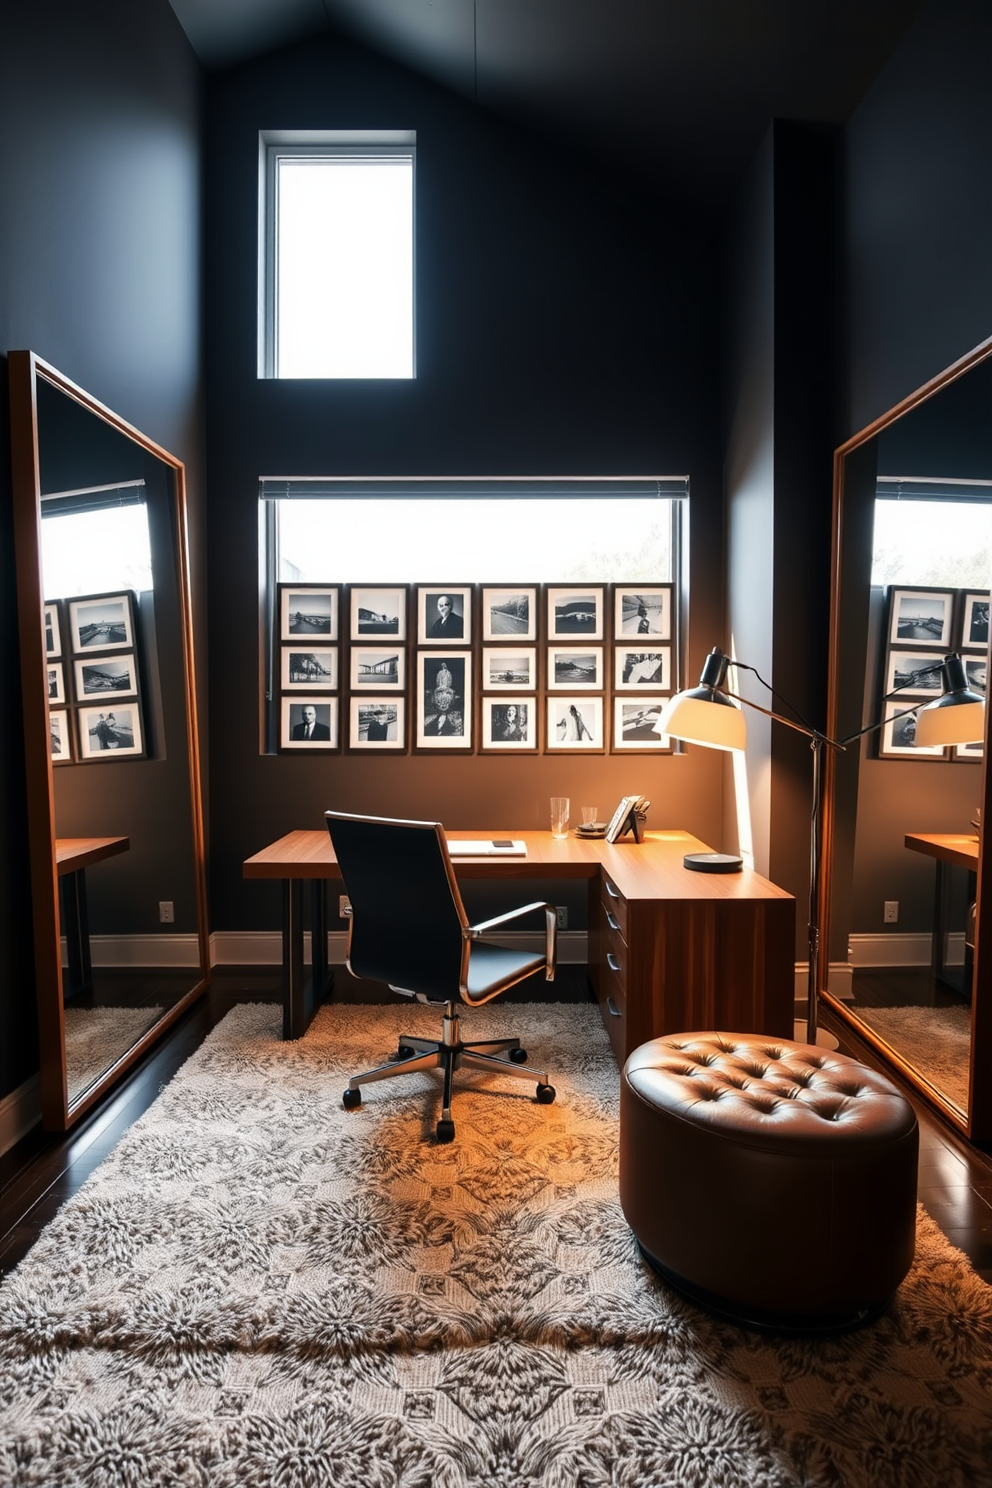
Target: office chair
(407, 927)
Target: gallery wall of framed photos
(94, 691)
(473, 668)
(923, 624)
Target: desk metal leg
(302, 995)
(75, 926)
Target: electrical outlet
(890, 912)
(166, 912)
(344, 906)
(561, 910)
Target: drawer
(615, 954)
(615, 904)
(613, 1008)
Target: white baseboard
(163, 952)
(19, 1112)
(264, 947)
(901, 950)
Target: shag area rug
(259, 1289)
(936, 1041)
(96, 1037)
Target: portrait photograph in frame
(53, 628)
(920, 617)
(444, 700)
(308, 669)
(377, 723)
(642, 610)
(59, 736)
(509, 723)
(975, 620)
(377, 668)
(110, 733)
(902, 670)
(55, 678)
(634, 722)
(898, 737)
(102, 622)
(105, 677)
(378, 612)
(639, 667)
(509, 613)
(444, 614)
(575, 723)
(509, 668)
(575, 611)
(309, 723)
(309, 611)
(573, 667)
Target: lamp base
(713, 862)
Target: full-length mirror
(912, 574)
(114, 808)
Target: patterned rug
(936, 1041)
(258, 1289)
(96, 1037)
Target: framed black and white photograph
(308, 669)
(308, 612)
(101, 622)
(444, 700)
(509, 723)
(640, 666)
(110, 733)
(378, 613)
(377, 723)
(634, 721)
(970, 753)
(53, 628)
(509, 614)
(898, 737)
(309, 723)
(378, 668)
(642, 611)
(575, 722)
(505, 667)
(576, 611)
(60, 737)
(55, 676)
(975, 620)
(572, 667)
(976, 671)
(920, 617)
(105, 677)
(444, 615)
(908, 669)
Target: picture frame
(975, 620)
(509, 613)
(377, 668)
(444, 614)
(900, 666)
(378, 612)
(444, 700)
(509, 723)
(970, 753)
(575, 611)
(294, 718)
(377, 723)
(635, 668)
(634, 719)
(921, 617)
(105, 677)
(55, 674)
(642, 610)
(896, 740)
(575, 723)
(574, 668)
(308, 669)
(976, 671)
(59, 736)
(513, 669)
(101, 622)
(52, 614)
(309, 612)
(109, 733)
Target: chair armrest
(475, 932)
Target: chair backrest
(406, 911)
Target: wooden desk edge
(73, 853)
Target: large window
(336, 256)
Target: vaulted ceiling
(682, 90)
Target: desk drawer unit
(609, 960)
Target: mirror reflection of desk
(73, 855)
(958, 850)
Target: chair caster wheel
(545, 1094)
(518, 1056)
(351, 1099)
(445, 1130)
(404, 1052)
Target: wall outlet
(890, 912)
(344, 905)
(561, 910)
(166, 912)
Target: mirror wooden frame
(977, 1124)
(26, 370)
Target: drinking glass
(559, 816)
(589, 815)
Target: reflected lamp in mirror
(957, 716)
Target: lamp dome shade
(952, 719)
(703, 715)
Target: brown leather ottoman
(773, 1181)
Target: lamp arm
(742, 666)
(800, 728)
(911, 681)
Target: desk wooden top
(73, 853)
(651, 869)
(950, 847)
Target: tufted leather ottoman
(772, 1180)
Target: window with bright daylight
(96, 542)
(337, 255)
(933, 533)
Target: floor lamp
(711, 715)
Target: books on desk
(486, 847)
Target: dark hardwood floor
(43, 1170)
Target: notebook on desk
(486, 847)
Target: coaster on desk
(713, 862)
(591, 829)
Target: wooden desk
(73, 855)
(669, 949)
(959, 850)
